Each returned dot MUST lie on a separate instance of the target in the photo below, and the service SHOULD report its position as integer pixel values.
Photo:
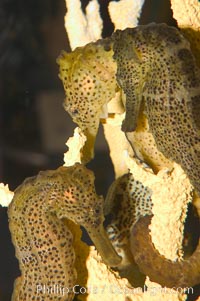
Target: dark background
(32, 136)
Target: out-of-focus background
(33, 124)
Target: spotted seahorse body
(43, 242)
(155, 65)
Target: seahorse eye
(74, 112)
(97, 211)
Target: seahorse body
(155, 64)
(44, 244)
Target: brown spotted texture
(43, 243)
(185, 273)
(155, 65)
(127, 200)
(88, 76)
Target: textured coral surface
(188, 18)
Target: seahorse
(43, 242)
(88, 76)
(129, 205)
(155, 66)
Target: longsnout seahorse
(155, 65)
(43, 242)
(88, 76)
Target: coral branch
(75, 144)
(81, 28)
(125, 13)
(5, 195)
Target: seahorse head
(74, 197)
(88, 76)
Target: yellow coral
(75, 144)
(5, 195)
(188, 18)
(125, 13)
(82, 28)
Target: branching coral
(86, 28)
(129, 11)
(5, 195)
(75, 145)
(89, 26)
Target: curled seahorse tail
(185, 273)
